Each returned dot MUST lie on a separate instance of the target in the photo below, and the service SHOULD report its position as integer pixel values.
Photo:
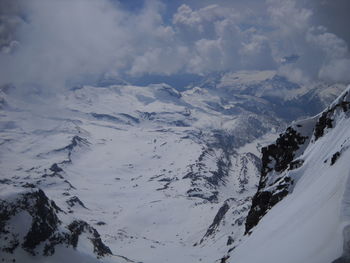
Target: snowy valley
(123, 173)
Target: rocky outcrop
(30, 221)
(327, 117)
(279, 156)
(217, 219)
(75, 142)
(276, 158)
(283, 156)
(273, 186)
(44, 221)
(78, 227)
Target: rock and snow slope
(301, 210)
(149, 173)
(147, 167)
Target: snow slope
(146, 168)
(161, 175)
(311, 223)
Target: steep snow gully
(150, 174)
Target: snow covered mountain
(123, 173)
(301, 210)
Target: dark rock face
(197, 192)
(55, 168)
(76, 141)
(78, 227)
(335, 157)
(323, 122)
(74, 200)
(46, 228)
(200, 176)
(217, 219)
(262, 202)
(296, 164)
(56, 171)
(282, 153)
(326, 119)
(276, 157)
(224, 259)
(205, 180)
(45, 220)
(230, 241)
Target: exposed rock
(224, 259)
(280, 155)
(326, 119)
(45, 221)
(78, 227)
(76, 141)
(45, 228)
(230, 241)
(295, 164)
(276, 158)
(217, 219)
(323, 122)
(335, 157)
(55, 168)
(74, 200)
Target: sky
(53, 44)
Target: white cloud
(294, 33)
(65, 41)
(165, 61)
(61, 41)
(220, 43)
(330, 44)
(288, 17)
(208, 55)
(201, 20)
(335, 70)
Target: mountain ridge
(133, 162)
(302, 163)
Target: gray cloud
(9, 20)
(63, 40)
(294, 32)
(54, 43)
(333, 14)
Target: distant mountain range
(123, 173)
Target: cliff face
(283, 156)
(277, 159)
(300, 212)
(30, 222)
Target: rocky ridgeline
(284, 155)
(30, 221)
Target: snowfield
(151, 174)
